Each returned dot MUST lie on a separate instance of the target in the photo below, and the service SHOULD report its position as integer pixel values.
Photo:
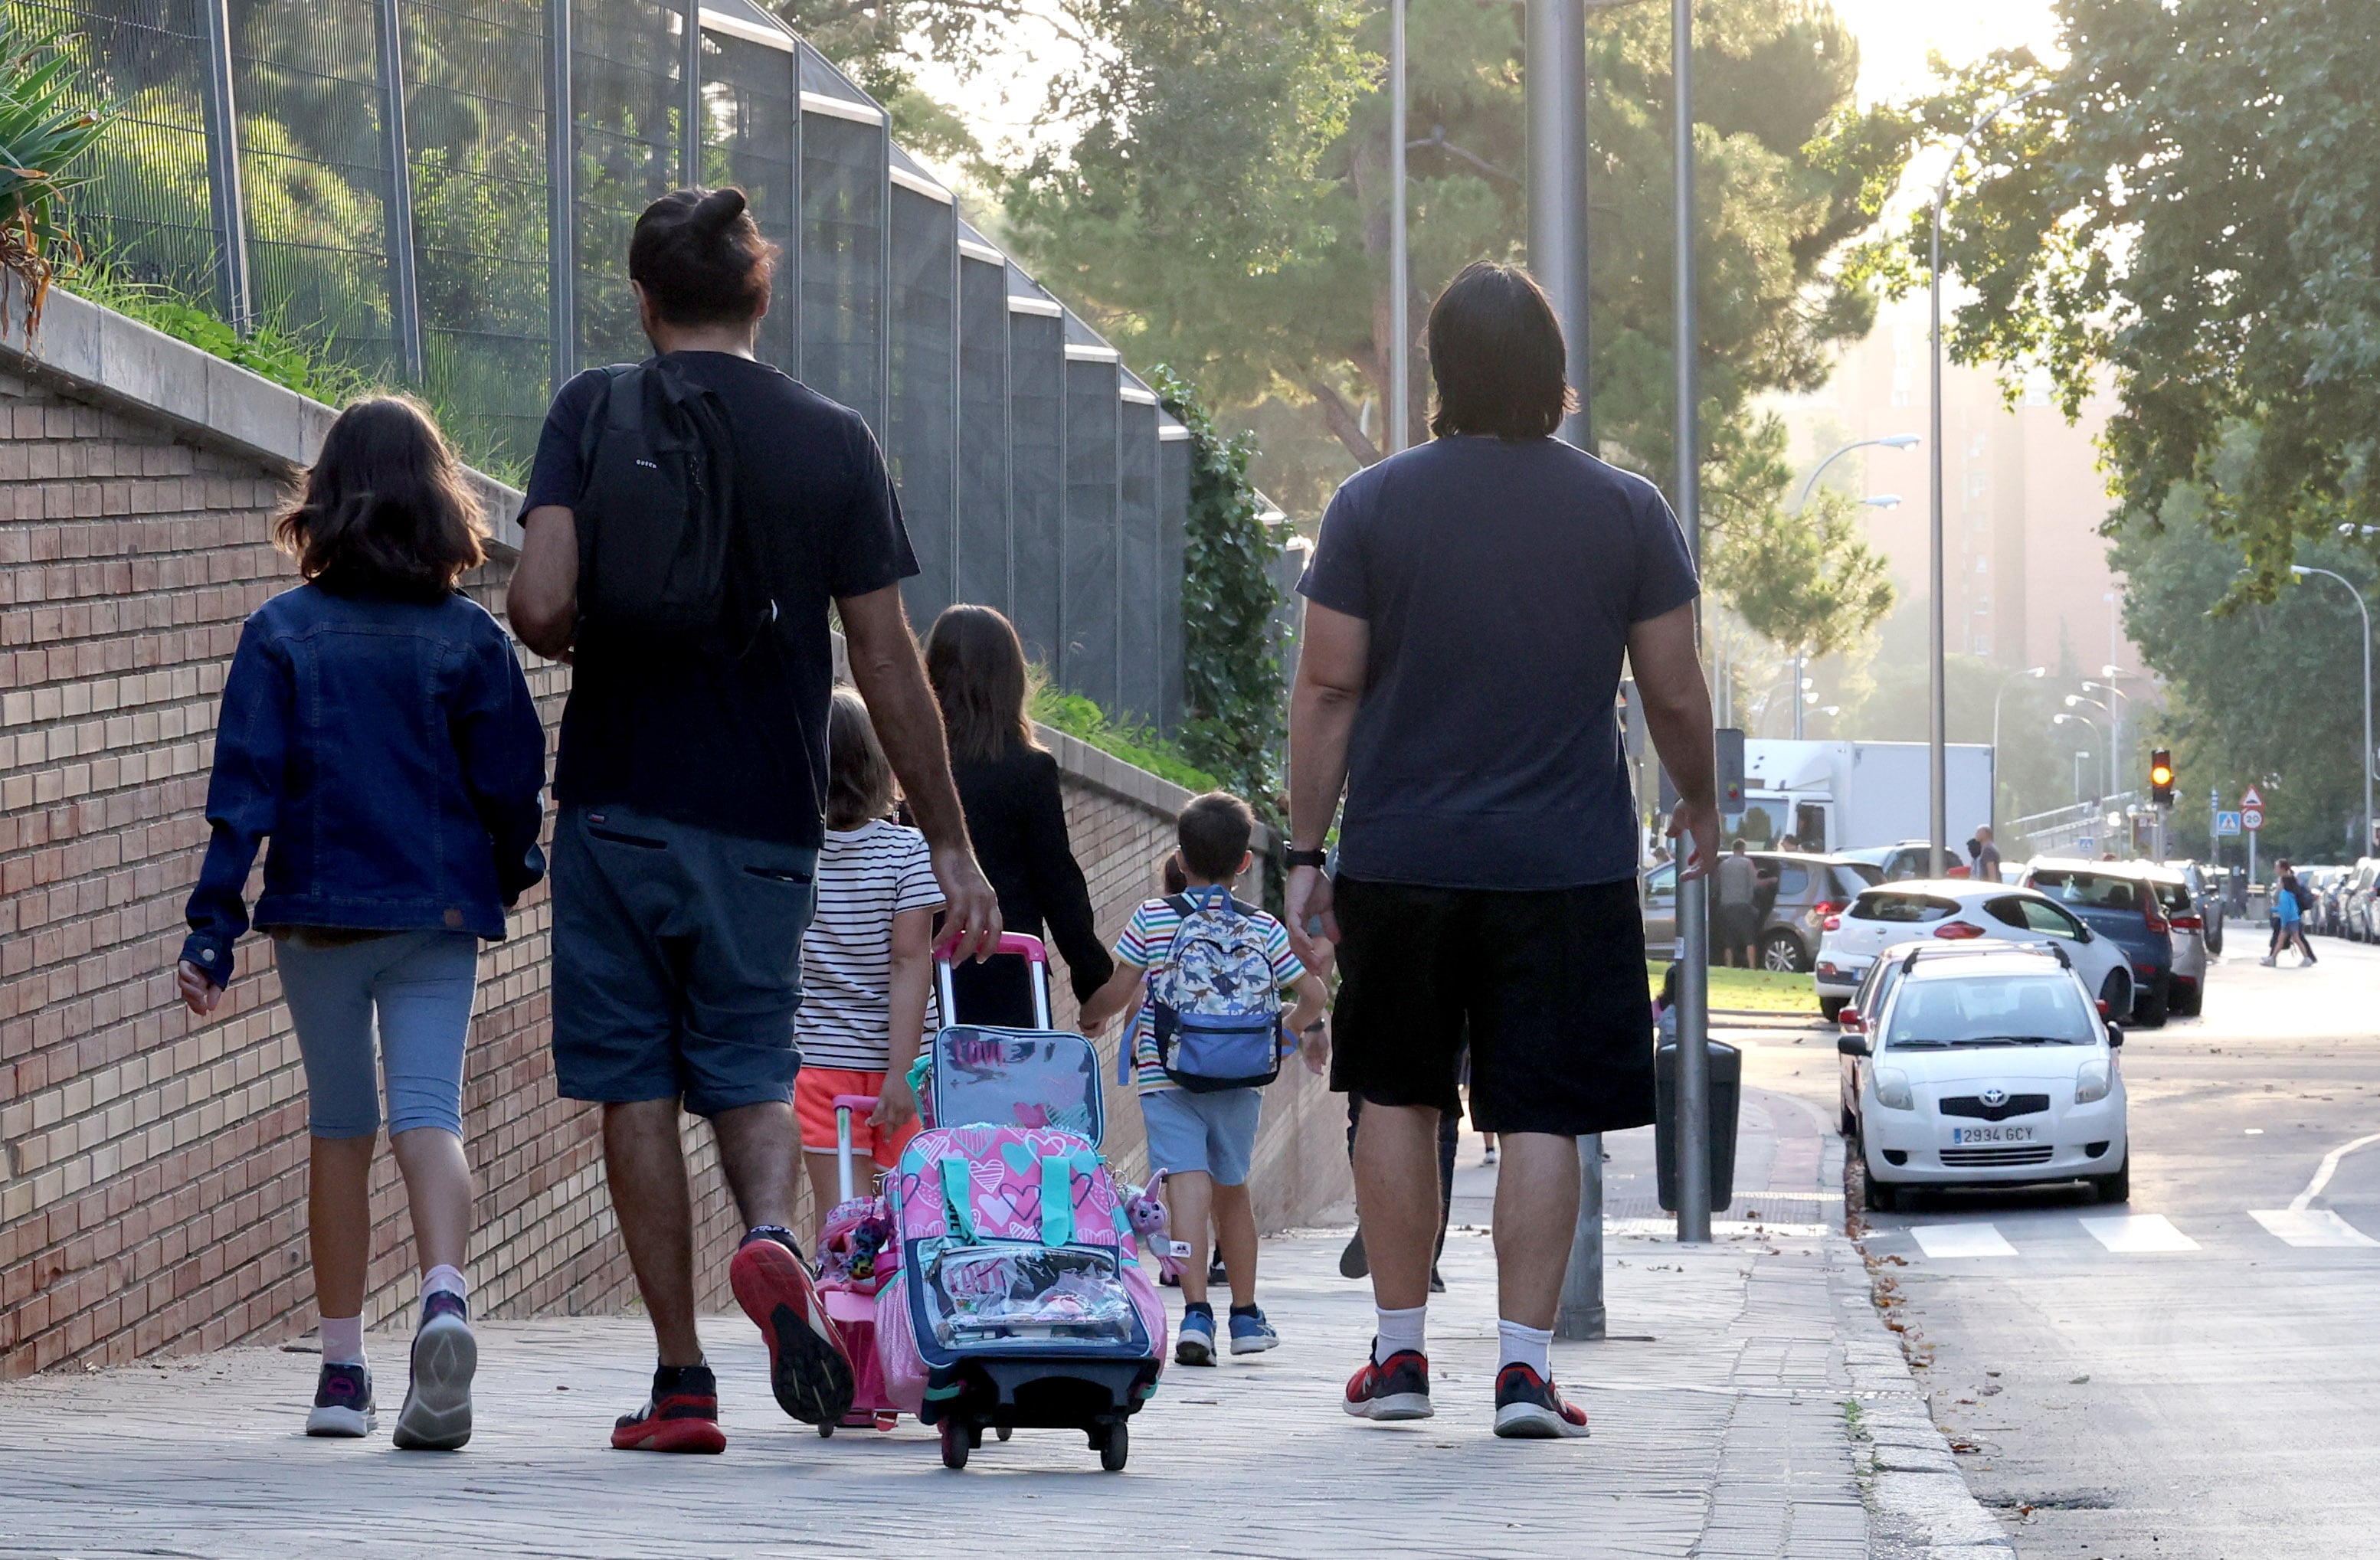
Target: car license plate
(1991, 1134)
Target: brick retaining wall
(153, 1173)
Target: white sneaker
(2268, 961)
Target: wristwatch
(1315, 858)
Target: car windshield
(2098, 890)
(2008, 1010)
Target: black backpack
(660, 553)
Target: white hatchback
(1989, 1068)
(1959, 910)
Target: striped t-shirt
(865, 876)
(1146, 940)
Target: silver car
(2186, 913)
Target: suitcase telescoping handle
(843, 1106)
(1011, 944)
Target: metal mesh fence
(147, 210)
(983, 433)
(259, 161)
(476, 124)
(314, 169)
(1088, 662)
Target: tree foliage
(1225, 209)
(2192, 207)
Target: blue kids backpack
(1216, 998)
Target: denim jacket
(391, 749)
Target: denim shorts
(413, 989)
(677, 961)
(1215, 1132)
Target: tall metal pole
(1692, 1090)
(689, 81)
(1399, 407)
(561, 195)
(1557, 117)
(404, 292)
(234, 292)
(1936, 699)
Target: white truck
(1849, 795)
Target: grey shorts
(1215, 1132)
(677, 961)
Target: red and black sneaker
(1394, 1388)
(1529, 1408)
(682, 1416)
(809, 1368)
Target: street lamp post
(1994, 810)
(1938, 711)
(2114, 724)
(1400, 259)
(2116, 713)
(2078, 721)
(1881, 501)
(1890, 442)
(2300, 570)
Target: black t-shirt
(736, 745)
(1500, 578)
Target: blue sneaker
(1196, 1343)
(1251, 1333)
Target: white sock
(1523, 1345)
(445, 1279)
(1397, 1331)
(343, 1341)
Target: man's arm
(1331, 669)
(909, 723)
(1668, 671)
(542, 599)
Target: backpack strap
(953, 1171)
(605, 411)
(1057, 1199)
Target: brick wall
(152, 1172)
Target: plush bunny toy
(1146, 1209)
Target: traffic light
(2161, 777)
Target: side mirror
(1852, 1045)
(2115, 1037)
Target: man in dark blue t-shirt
(1468, 608)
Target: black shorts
(1548, 985)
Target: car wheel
(2150, 1007)
(1831, 1008)
(1879, 1198)
(2116, 1188)
(2197, 1002)
(1781, 953)
(2117, 993)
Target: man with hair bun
(692, 781)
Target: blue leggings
(422, 983)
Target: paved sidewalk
(1736, 1413)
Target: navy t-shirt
(1500, 578)
(734, 745)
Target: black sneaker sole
(808, 1371)
(437, 1413)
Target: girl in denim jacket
(376, 725)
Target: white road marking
(2311, 1227)
(1962, 1240)
(2303, 1199)
(2131, 1233)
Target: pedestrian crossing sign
(2227, 823)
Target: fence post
(561, 193)
(689, 73)
(232, 291)
(404, 292)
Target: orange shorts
(814, 1091)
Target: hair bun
(715, 211)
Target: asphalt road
(2178, 1378)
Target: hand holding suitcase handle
(1016, 944)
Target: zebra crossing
(2126, 1234)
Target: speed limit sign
(2251, 818)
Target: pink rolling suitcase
(858, 1255)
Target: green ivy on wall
(1233, 702)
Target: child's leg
(1189, 1201)
(338, 1223)
(825, 1187)
(329, 992)
(424, 998)
(1235, 1232)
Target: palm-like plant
(41, 134)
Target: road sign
(2229, 823)
(2251, 818)
(2253, 798)
(2085, 845)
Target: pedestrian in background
(376, 727)
(1987, 856)
(1468, 608)
(1015, 814)
(693, 780)
(1735, 906)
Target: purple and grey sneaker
(437, 1413)
(343, 1403)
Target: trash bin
(1725, 1092)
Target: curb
(1921, 1506)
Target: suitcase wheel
(956, 1443)
(825, 1431)
(1116, 1447)
(1004, 1432)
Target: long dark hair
(385, 508)
(700, 258)
(859, 775)
(1496, 351)
(977, 665)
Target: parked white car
(1960, 910)
(1989, 1069)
